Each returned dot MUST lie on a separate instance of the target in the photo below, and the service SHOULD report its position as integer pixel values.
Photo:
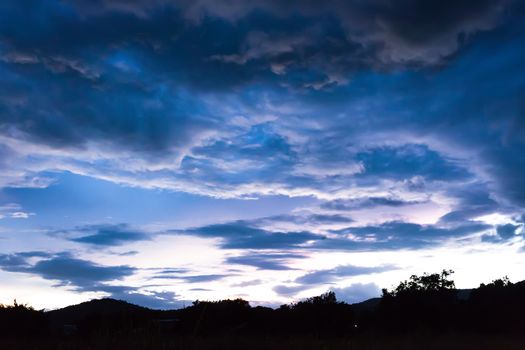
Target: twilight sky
(162, 151)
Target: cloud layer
(123, 104)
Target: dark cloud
(248, 283)
(262, 261)
(331, 275)
(507, 231)
(411, 230)
(504, 233)
(256, 154)
(109, 235)
(64, 268)
(328, 218)
(388, 235)
(397, 235)
(102, 62)
(407, 32)
(408, 161)
(128, 253)
(203, 278)
(506, 163)
(369, 202)
(239, 235)
(170, 272)
(305, 219)
(474, 201)
(182, 275)
(78, 272)
(117, 121)
(117, 57)
(410, 23)
(14, 262)
(288, 291)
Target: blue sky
(166, 151)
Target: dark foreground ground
(429, 342)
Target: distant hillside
(105, 306)
(367, 305)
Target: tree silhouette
(421, 302)
(497, 283)
(426, 283)
(21, 320)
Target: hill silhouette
(101, 307)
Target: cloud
(370, 202)
(239, 235)
(288, 291)
(170, 272)
(262, 261)
(248, 283)
(64, 268)
(182, 275)
(13, 211)
(343, 271)
(411, 230)
(504, 233)
(305, 219)
(203, 278)
(473, 201)
(507, 231)
(401, 33)
(394, 34)
(398, 235)
(128, 253)
(407, 161)
(107, 235)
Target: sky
(164, 151)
